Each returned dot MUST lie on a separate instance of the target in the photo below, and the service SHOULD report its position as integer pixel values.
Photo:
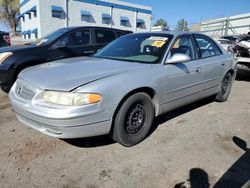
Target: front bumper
(90, 120)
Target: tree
(9, 10)
(182, 25)
(163, 23)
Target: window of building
(106, 18)
(86, 16)
(124, 21)
(207, 47)
(140, 23)
(33, 9)
(104, 36)
(57, 12)
(35, 32)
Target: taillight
(6, 38)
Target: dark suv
(63, 43)
(4, 39)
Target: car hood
(69, 74)
(16, 48)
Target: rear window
(104, 36)
(207, 47)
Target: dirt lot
(195, 145)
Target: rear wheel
(225, 88)
(133, 120)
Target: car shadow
(237, 176)
(92, 142)
(105, 140)
(178, 112)
(243, 74)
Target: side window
(120, 34)
(183, 45)
(78, 38)
(207, 47)
(104, 36)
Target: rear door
(102, 37)
(211, 63)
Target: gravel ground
(200, 145)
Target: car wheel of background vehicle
(133, 120)
(225, 88)
(6, 89)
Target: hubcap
(135, 119)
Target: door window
(77, 38)
(206, 46)
(183, 45)
(104, 36)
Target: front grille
(24, 92)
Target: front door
(183, 81)
(76, 43)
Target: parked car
(63, 43)
(4, 39)
(227, 41)
(123, 87)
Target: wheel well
(231, 72)
(146, 90)
(23, 66)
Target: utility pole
(67, 13)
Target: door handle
(223, 63)
(89, 52)
(198, 69)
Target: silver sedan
(123, 87)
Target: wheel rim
(225, 84)
(135, 119)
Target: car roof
(92, 27)
(174, 33)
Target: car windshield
(143, 48)
(51, 37)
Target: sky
(191, 10)
(194, 10)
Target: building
(232, 25)
(40, 17)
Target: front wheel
(6, 89)
(225, 88)
(133, 120)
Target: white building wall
(47, 24)
(33, 23)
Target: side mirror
(178, 58)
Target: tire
(133, 120)
(5, 89)
(225, 88)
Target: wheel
(6, 89)
(133, 120)
(225, 88)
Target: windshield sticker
(158, 44)
(165, 39)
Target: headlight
(4, 56)
(71, 99)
